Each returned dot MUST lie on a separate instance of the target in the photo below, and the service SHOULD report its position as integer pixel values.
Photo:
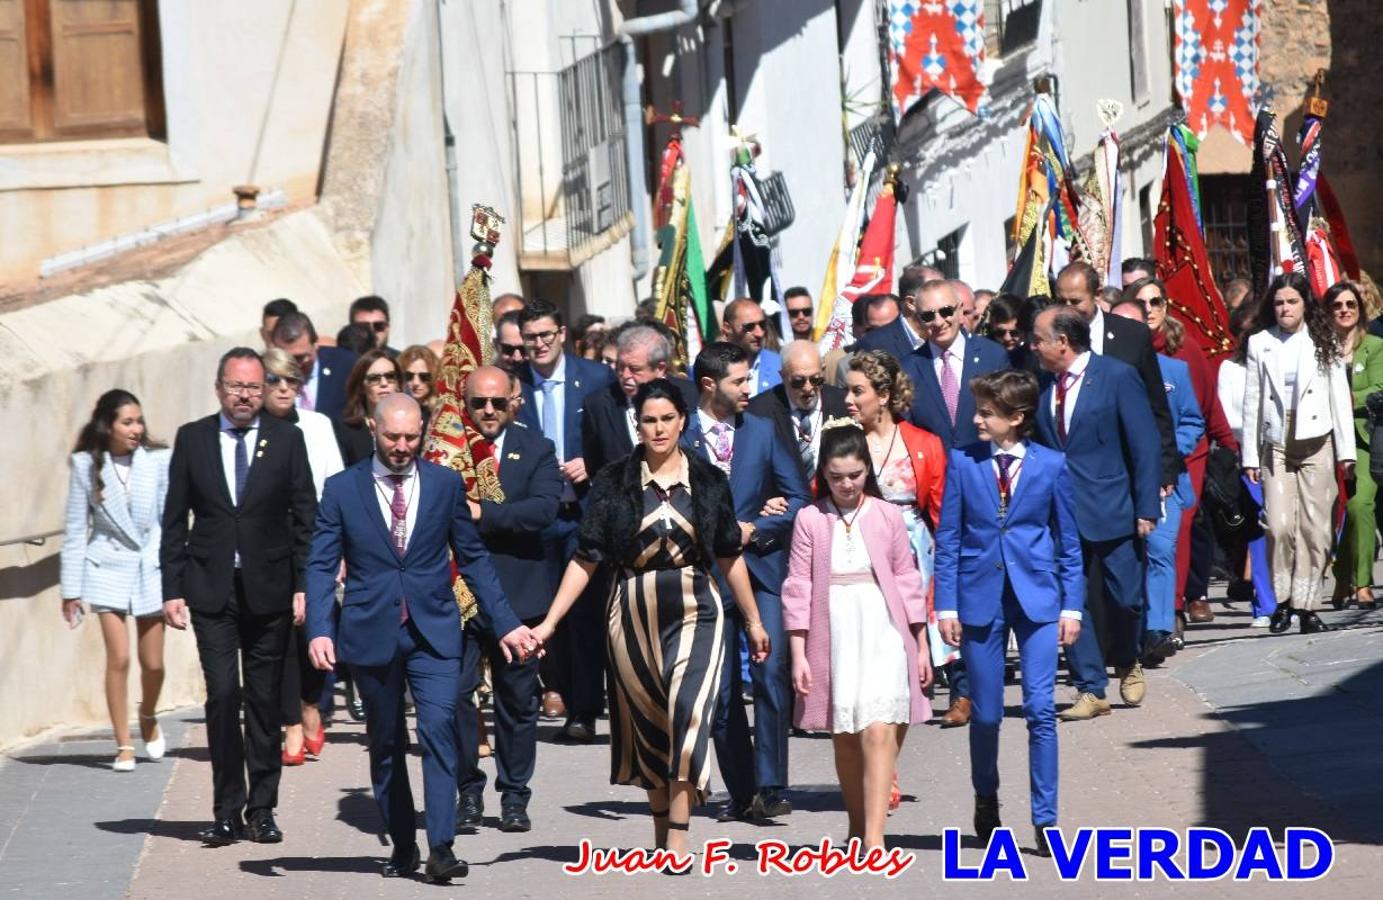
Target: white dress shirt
(907, 329)
(1097, 332)
(957, 351)
(1074, 377)
(384, 493)
(228, 442)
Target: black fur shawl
(614, 509)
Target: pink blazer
(806, 597)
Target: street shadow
(178, 830)
(552, 734)
(196, 753)
(81, 760)
(357, 808)
(282, 865)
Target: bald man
(746, 326)
(506, 303)
(802, 403)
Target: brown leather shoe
(958, 714)
(553, 707)
(1199, 611)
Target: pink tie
(720, 446)
(398, 531)
(950, 385)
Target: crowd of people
(719, 551)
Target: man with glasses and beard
(512, 532)
(802, 404)
(746, 326)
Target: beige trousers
(1299, 490)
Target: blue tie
(550, 413)
(242, 463)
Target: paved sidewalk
(1241, 729)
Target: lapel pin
(513, 456)
(263, 443)
(576, 383)
(259, 454)
(326, 372)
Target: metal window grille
(595, 187)
(945, 256)
(1224, 211)
(1010, 24)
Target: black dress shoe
(1311, 623)
(222, 832)
(770, 805)
(470, 810)
(354, 705)
(514, 818)
(264, 830)
(1281, 618)
(442, 866)
(1040, 839)
(579, 729)
(735, 811)
(986, 817)
(402, 863)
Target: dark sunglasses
(752, 326)
(926, 315)
(377, 327)
(800, 381)
(1344, 304)
(381, 377)
(511, 350)
(1008, 332)
(805, 311)
(499, 403)
(1159, 300)
(271, 379)
(424, 377)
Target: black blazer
(605, 426)
(892, 337)
(773, 404)
(271, 528)
(356, 441)
(334, 366)
(532, 486)
(1131, 342)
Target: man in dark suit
(511, 530)
(801, 404)
(760, 467)
(246, 482)
(607, 429)
(1129, 342)
(943, 364)
(327, 368)
(899, 337)
(1096, 412)
(397, 521)
(555, 388)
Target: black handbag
(1233, 513)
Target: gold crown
(839, 422)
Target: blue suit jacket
(1112, 450)
(1036, 545)
(762, 467)
(770, 373)
(532, 487)
(1188, 422)
(928, 406)
(892, 337)
(334, 366)
(583, 378)
(350, 524)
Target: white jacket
(1324, 404)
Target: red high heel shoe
(895, 794)
(314, 746)
(290, 759)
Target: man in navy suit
(746, 326)
(899, 337)
(327, 368)
(802, 404)
(1096, 411)
(555, 389)
(761, 467)
(393, 518)
(512, 531)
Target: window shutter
(14, 69)
(98, 75)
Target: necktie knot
(1004, 460)
(549, 385)
(397, 479)
(240, 433)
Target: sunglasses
(1344, 304)
(749, 327)
(805, 311)
(424, 377)
(927, 315)
(377, 327)
(511, 350)
(499, 403)
(273, 380)
(800, 381)
(1156, 301)
(381, 377)
(1008, 332)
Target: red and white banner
(936, 45)
(1215, 47)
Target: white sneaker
(123, 765)
(1261, 622)
(158, 746)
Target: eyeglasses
(926, 315)
(240, 387)
(380, 377)
(378, 326)
(273, 380)
(511, 350)
(749, 327)
(424, 377)
(1344, 304)
(499, 403)
(1008, 332)
(540, 337)
(1159, 300)
(800, 381)
(804, 311)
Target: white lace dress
(869, 665)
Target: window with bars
(1224, 211)
(73, 69)
(1010, 25)
(945, 256)
(594, 185)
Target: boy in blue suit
(1008, 531)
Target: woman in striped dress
(661, 519)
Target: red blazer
(928, 468)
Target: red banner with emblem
(1215, 48)
(936, 45)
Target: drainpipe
(642, 236)
(460, 259)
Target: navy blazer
(1112, 451)
(532, 486)
(583, 378)
(1036, 545)
(892, 337)
(762, 467)
(334, 366)
(605, 426)
(928, 406)
(349, 523)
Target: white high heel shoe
(158, 746)
(123, 765)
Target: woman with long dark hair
(856, 612)
(110, 557)
(1298, 425)
(373, 375)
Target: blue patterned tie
(242, 463)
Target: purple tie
(720, 446)
(950, 385)
(398, 531)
